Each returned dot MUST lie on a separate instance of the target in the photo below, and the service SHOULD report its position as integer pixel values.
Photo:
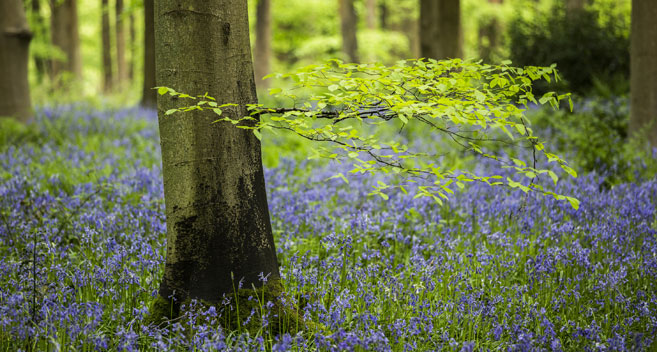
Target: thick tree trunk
(39, 30)
(149, 95)
(122, 68)
(14, 55)
(262, 53)
(575, 5)
(65, 36)
(218, 226)
(440, 29)
(108, 76)
(370, 14)
(643, 70)
(348, 22)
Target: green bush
(590, 47)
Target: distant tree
(489, 35)
(132, 35)
(370, 14)
(262, 50)
(65, 36)
(218, 227)
(440, 29)
(575, 5)
(348, 24)
(15, 39)
(149, 95)
(643, 70)
(121, 63)
(108, 76)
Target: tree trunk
(575, 5)
(489, 34)
(262, 43)
(440, 29)
(383, 15)
(218, 225)
(370, 14)
(133, 47)
(149, 95)
(643, 70)
(39, 30)
(14, 55)
(64, 35)
(108, 77)
(349, 21)
(122, 68)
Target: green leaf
(170, 111)
(162, 90)
(333, 87)
(569, 170)
(353, 154)
(574, 202)
(275, 91)
(257, 134)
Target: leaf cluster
(472, 104)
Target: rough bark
(14, 55)
(122, 67)
(440, 29)
(108, 76)
(149, 95)
(370, 14)
(348, 23)
(218, 226)
(643, 70)
(64, 35)
(262, 52)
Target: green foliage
(595, 137)
(591, 48)
(473, 105)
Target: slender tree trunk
(108, 76)
(440, 29)
(132, 40)
(370, 14)
(575, 5)
(65, 36)
(39, 30)
(349, 21)
(14, 55)
(149, 95)
(122, 68)
(218, 225)
(489, 34)
(262, 43)
(643, 70)
(383, 15)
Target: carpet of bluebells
(82, 234)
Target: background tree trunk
(14, 55)
(575, 5)
(122, 68)
(349, 22)
(216, 205)
(149, 95)
(370, 14)
(263, 43)
(108, 76)
(489, 34)
(65, 36)
(383, 15)
(440, 29)
(643, 70)
(132, 45)
(39, 30)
